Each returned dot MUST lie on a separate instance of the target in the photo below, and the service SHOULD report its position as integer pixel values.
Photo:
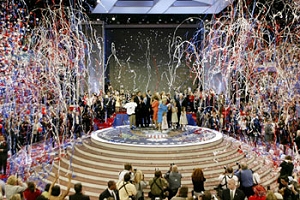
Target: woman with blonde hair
(13, 186)
(140, 184)
(16, 197)
(198, 180)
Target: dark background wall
(142, 57)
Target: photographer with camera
(224, 178)
(174, 180)
(127, 169)
(126, 189)
(158, 186)
(245, 178)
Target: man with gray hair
(246, 179)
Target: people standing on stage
(183, 119)
(162, 108)
(118, 102)
(3, 154)
(154, 106)
(174, 117)
(181, 103)
(146, 109)
(130, 110)
(138, 109)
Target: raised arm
(53, 183)
(63, 196)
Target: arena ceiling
(160, 6)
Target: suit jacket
(105, 194)
(239, 195)
(79, 196)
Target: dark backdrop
(142, 57)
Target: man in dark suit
(232, 193)
(111, 192)
(78, 193)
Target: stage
(150, 137)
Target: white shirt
(130, 107)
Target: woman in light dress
(174, 116)
(183, 119)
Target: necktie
(231, 194)
(113, 194)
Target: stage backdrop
(141, 57)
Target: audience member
(158, 185)
(54, 190)
(140, 184)
(286, 169)
(78, 193)
(174, 180)
(226, 176)
(41, 197)
(206, 195)
(271, 196)
(31, 193)
(182, 193)
(45, 193)
(126, 189)
(13, 186)
(288, 191)
(246, 179)
(259, 193)
(110, 192)
(3, 154)
(232, 192)
(15, 197)
(127, 169)
(198, 180)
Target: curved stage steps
(94, 161)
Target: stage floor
(149, 137)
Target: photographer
(158, 186)
(127, 169)
(246, 179)
(126, 188)
(224, 178)
(174, 180)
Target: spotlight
(191, 20)
(113, 18)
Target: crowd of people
(255, 122)
(267, 122)
(238, 184)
